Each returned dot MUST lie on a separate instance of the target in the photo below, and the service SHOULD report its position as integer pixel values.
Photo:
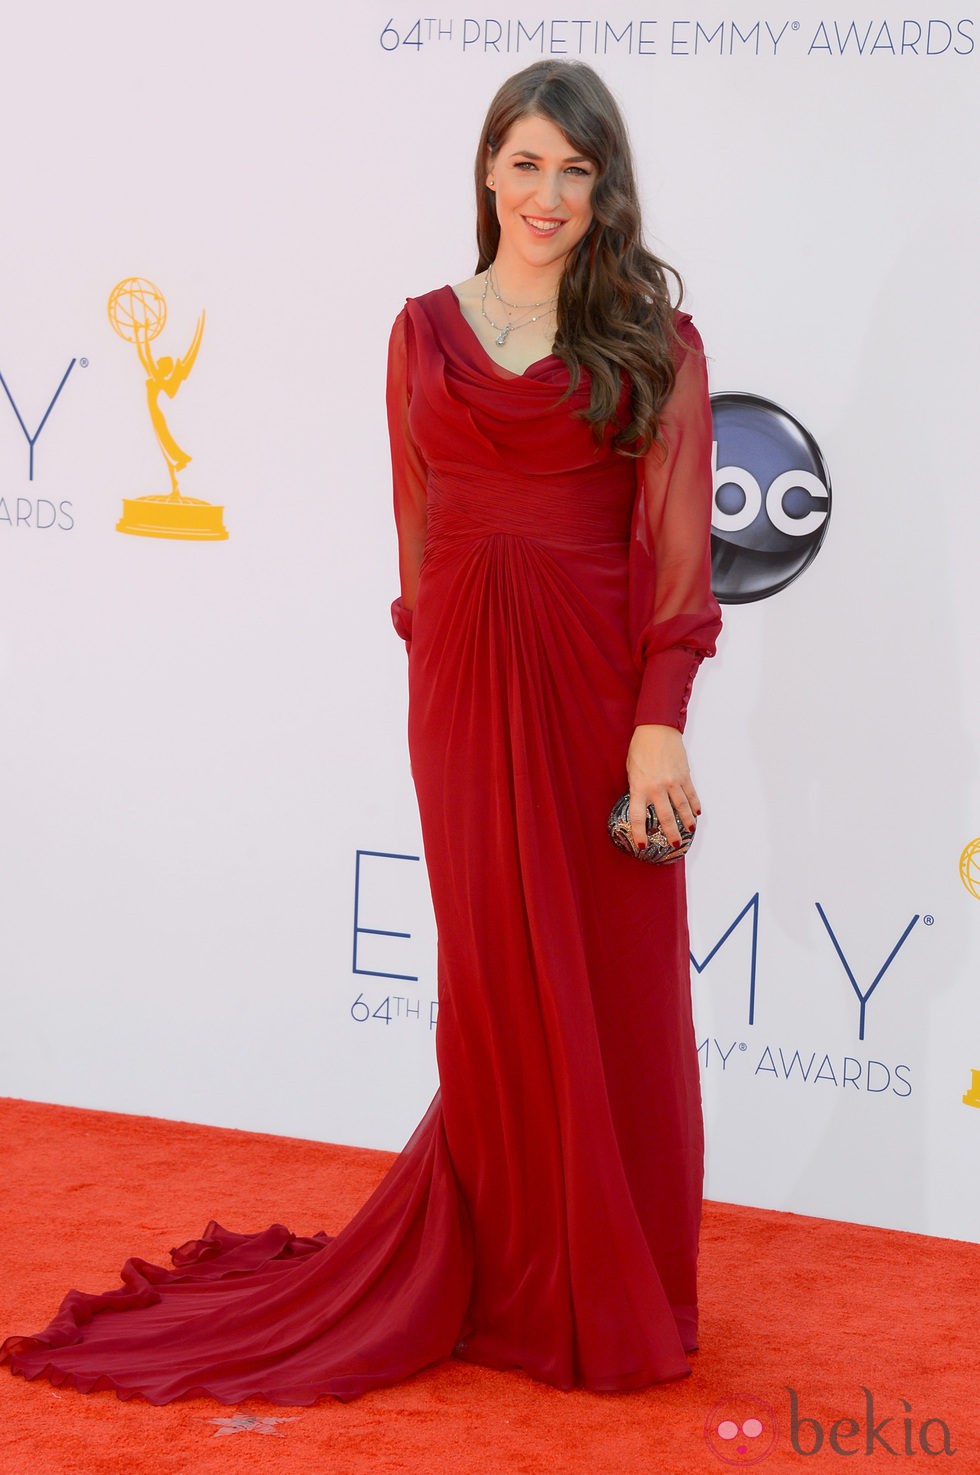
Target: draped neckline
(500, 370)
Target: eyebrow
(569, 159)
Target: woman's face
(543, 190)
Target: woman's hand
(659, 775)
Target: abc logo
(772, 498)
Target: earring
(490, 182)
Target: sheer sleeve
(674, 616)
(408, 477)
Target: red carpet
(824, 1309)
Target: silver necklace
(516, 306)
(504, 330)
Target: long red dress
(545, 1213)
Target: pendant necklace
(503, 331)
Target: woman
(551, 443)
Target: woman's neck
(519, 281)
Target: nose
(549, 190)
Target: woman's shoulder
(430, 306)
(687, 341)
(425, 314)
(686, 332)
(424, 320)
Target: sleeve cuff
(401, 618)
(666, 687)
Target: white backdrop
(198, 738)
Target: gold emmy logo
(138, 311)
(970, 868)
(972, 1097)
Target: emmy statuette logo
(970, 868)
(138, 312)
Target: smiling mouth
(545, 227)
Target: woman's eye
(528, 164)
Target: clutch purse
(659, 851)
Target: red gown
(545, 1213)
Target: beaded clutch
(659, 851)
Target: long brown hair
(615, 312)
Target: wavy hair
(615, 312)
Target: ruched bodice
(529, 507)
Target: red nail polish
(676, 844)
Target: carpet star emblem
(251, 1424)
